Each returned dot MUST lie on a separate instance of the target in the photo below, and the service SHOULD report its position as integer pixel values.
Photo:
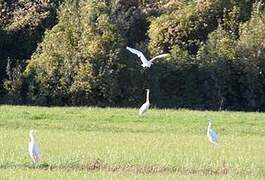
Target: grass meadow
(115, 143)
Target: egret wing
(213, 135)
(138, 53)
(159, 56)
(36, 152)
(144, 108)
(30, 147)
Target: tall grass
(117, 143)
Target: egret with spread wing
(33, 148)
(145, 62)
(146, 105)
(212, 136)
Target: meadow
(115, 143)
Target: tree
(251, 52)
(216, 60)
(186, 27)
(130, 20)
(78, 61)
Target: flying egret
(33, 147)
(146, 105)
(145, 62)
(212, 136)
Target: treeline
(73, 53)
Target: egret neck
(147, 95)
(32, 139)
(209, 126)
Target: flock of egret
(212, 136)
(145, 64)
(34, 150)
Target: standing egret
(33, 147)
(146, 105)
(212, 136)
(145, 62)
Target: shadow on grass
(97, 165)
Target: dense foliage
(78, 60)
(216, 46)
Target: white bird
(33, 148)
(146, 105)
(212, 136)
(145, 62)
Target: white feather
(144, 108)
(159, 56)
(139, 54)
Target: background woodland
(72, 52)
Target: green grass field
(112, 143)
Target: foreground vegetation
(115, 143)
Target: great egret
(145, 62)
(146, 105)
(33, 148)
(212, 136)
